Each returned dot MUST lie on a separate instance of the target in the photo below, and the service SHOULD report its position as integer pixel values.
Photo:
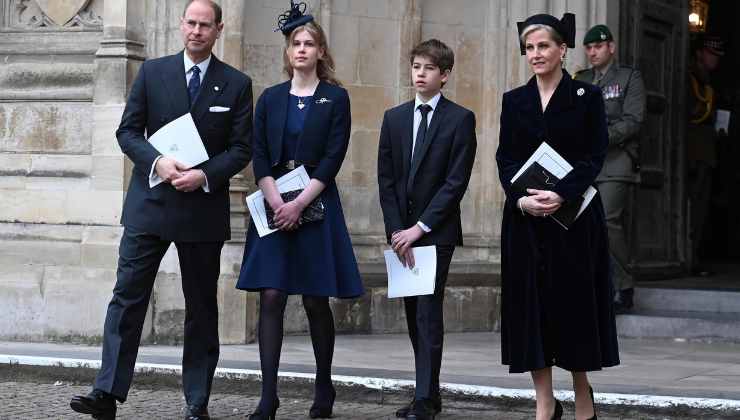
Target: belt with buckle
(291, 164)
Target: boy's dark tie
(422, 130)
(194, 84)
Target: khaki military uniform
(624, 99)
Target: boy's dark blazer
(325, 137)
(429, 189)
(158, 96)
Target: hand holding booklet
(417, 281)
(542, 171)
(297, 179)
(181, 141)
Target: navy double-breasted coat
(556, 288)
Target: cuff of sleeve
(205, 186)
(423, 227)
(154, 178)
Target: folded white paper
(181, 141)
(417, 281)
(294, 180)
(219, 109)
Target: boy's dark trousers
(424, 316)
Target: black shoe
(557, 413)
(403, 412)
(593, 402)
(99, 404)
(323, 403)
(422, 410)
(265, 414)
(624, 302)
(196, 412)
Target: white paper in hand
(417, 281)
(180, 140)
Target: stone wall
(65, 72)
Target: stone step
(688, 300)
(723, 326)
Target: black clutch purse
(314, 212)
(537, 177)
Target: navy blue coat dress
(316, 259)
(556, 305)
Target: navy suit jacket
(429, 189)
(158, 96)
(325, 137)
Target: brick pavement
(33, 400)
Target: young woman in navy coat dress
(556, 306)
(304, 121)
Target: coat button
(410, 212)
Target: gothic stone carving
(53, 14)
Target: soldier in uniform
(624, 98)
(701, 138)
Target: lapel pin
(323, 101)
(216, 88)
(580, 91)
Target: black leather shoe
(99, 404)
(593, 401)
(422, 410)
(265, 414)
(557, 414)
(403, 412)
(323, 403)
(196, 412)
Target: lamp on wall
(698, 11)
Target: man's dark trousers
(424, 316)
(139, 257)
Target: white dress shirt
(188, 63)
(417, 121)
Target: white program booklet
(556, 165)
(417, 281)
(179, 140)
(722, 120)
(294, 180)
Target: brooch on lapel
(580, 92)
(323, 101)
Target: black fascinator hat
(565, 27)
(293, 18)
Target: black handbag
(314, 212)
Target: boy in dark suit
(425, 157)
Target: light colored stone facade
(66, 67)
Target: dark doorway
(719, 248)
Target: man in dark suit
(190, 208)
(425, 157)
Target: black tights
(270, 336)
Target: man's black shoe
(422, 410)
(194, 412)
(99, 404)
(624, 302)
(403, 412)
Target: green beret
(598, 33)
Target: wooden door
(654, 39)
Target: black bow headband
(293, 18)
(565, 27)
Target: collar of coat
(563, 98)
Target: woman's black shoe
(593, 402)
(557, 414)
(265, 414)
(322, 409)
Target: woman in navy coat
(556, 305)
(304, 121)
